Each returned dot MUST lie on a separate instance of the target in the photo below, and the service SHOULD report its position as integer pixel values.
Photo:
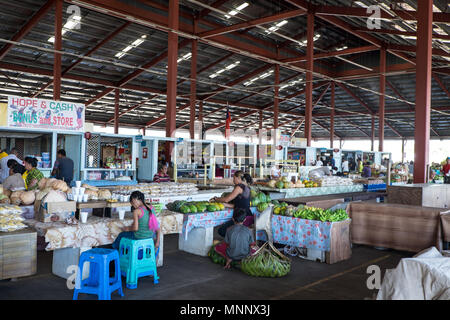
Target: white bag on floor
(426, 276)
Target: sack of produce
(60, 186)
(42, 183)
(27, 197)
(49, 183)
(15, 197)
(266, 262)
(104, 194)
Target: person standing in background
(345, 168)
(446, 170)
(319, 162)
(275, 171)
(63, 167)
(4, 164)
(162, 175)
(360, 165)
(33, 174)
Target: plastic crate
(375, 187)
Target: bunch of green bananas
(265, 264)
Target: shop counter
(108, 183)
(277, 194)
(68, 241)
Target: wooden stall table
(17, 253)
(327, 201)
(97, 206)
(68, 241)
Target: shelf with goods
(108, 160)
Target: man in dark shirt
(63, 168)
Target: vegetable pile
(266, 262)
(310, 213)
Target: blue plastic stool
(137, 259)
(99, 282)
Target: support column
(309, 77)
(57, 46)
(116, 110)
(172, 56)
(332, 116)
(200, 111)
(403, 150)
(423, 89)
(382, 98)
(373, 134)
(275, 103)
(193, 84)
(260, 126)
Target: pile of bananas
(310, 213)
(266, 262)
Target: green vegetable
(185, 209)
(262, 206)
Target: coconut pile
(50, 190)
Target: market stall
(108, 160)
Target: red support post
(423, 89)
(309, 77)
(116, 110)
(373, 134)
(58, 47)
(193, 84)
(172, 56)
(332, 115)
(276, 100)
(382, 98)
(200, 110)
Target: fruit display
(283, 209)
(310, 213)
(158, 189)
(195, 206)
(259, 200)
(310, 184)
(266, 262)
(329, 181)
(11, 218)
(284, 183)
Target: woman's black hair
(32, 161)
(248, 178)
(11, 163)
(139, 196)
(239, 215)
(17, 168)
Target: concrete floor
(191, 277)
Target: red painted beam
(406, 48)
(309, 77)
(416, 15)
(193, 95)
(28, 26)
(423, 90)
(403, 33)
(116, 110)
(276, 99)
(372, 148)
(73, 65)
(215, 4)
(334, 53)
(332, 115)
(172, 56)
(137, 73)
(439, 82)
(58, 47)
(382, 99)
(134, 107)
(252, 23)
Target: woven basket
(266, 262)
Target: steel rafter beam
(390, 85)
(406, 48)
(252, 23)
(95, 48)
(134, 107)
(334, 53)
(137, 73)
(404, 33)
(439, 82)
(27, 27)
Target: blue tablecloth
(106, 183)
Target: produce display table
(17, 253)
(304, 192)
(445, 221)
(329, 240)
(97, 206)
(69, 241)
(108, 183)
(422, 194)
(198, 230)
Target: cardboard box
(54, 211)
